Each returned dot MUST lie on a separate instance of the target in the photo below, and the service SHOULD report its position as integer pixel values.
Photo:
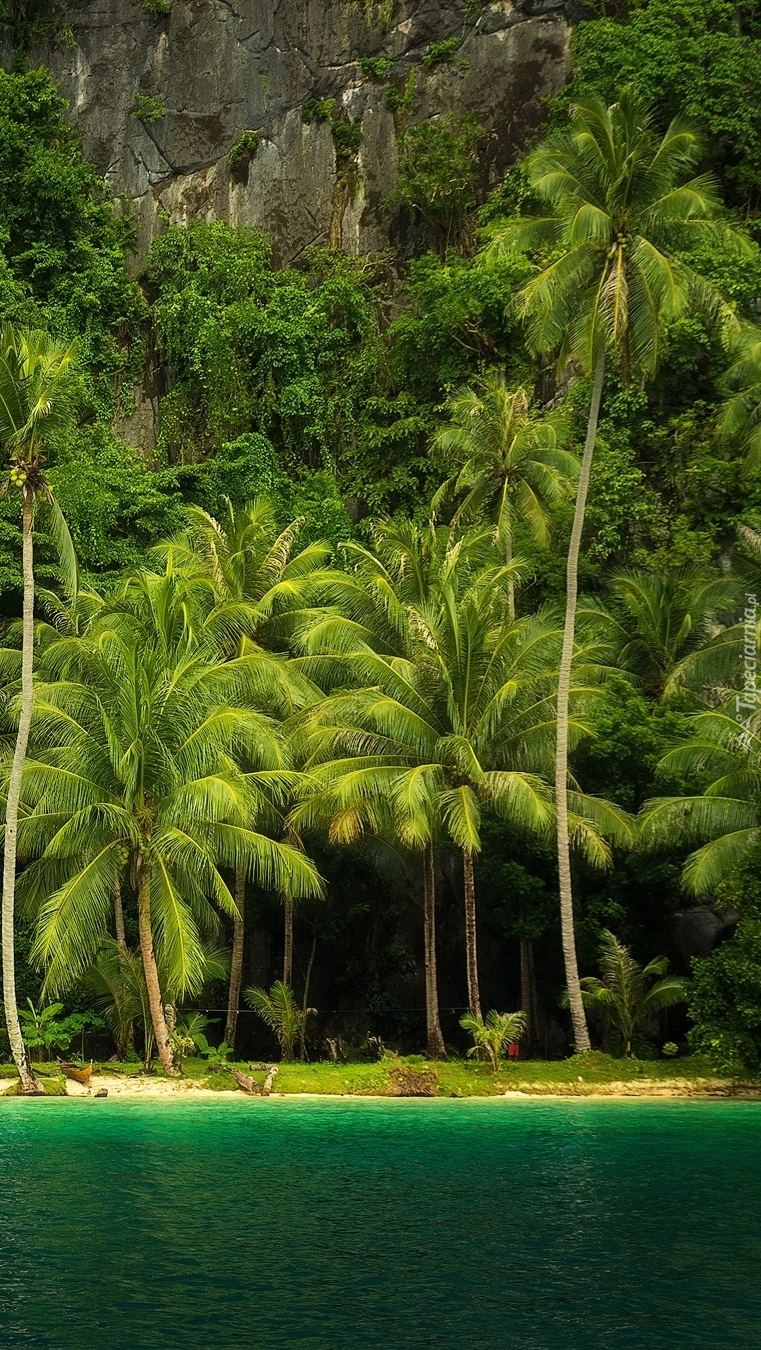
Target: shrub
(492, 1033)
(375, 67)
(147, 109)
(725, 1001)
(244, 149)
(317, 109)
(401, 100)
(441, 53)
(439, 170)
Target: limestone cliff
(206, 71)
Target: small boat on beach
(80, 1073)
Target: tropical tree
(725, 746)
(626, 993)
(508, 459)
(45, 1030)
(372, 618)
(622, 204)
(463, 721)
(740, 418)
(138, 748)
(279, 1010)
(38, 401)
(115, 982)
(492, 1033)
(254, 565)
(264, 587)
(664, 621)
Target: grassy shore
(592, 1075)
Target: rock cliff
(163, 90)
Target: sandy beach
(138, 1085)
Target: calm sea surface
(455, 1224)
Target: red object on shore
(513, 1050)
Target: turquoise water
(318, 1223)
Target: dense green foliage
(699, 57)
(325, 387)
(64, 246)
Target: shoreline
(137, 1086)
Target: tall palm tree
(507, 458)
(464, 720)
(622, 202)
(138, 748)
(38, 400)
(263, 582)
(371, 617)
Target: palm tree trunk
(121, 936)
(150, 969)
(471, 952)
(434, 1040)
(578, 1018)
(305, 1004)
(288, 946)
(528, 993)
(28, 1082)
(236, 963)
(510, 581)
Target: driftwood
(249, 1085)
(80, 1073)
(245, 1083)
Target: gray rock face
(218, 68)
(697, 931)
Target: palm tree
(625, 992)
(464, 720)
(492, 1033)
(665, 621)
(252, 564)
(622, 202)
(264, 587)
(138, 749)
(38, 399)
(115, 982)
(725, 745)
(740, 419)
(280, 1012)
(507, 458)
(371, 614)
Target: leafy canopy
(623, 201)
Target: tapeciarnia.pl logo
(746, 702)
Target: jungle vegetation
(411, 676)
